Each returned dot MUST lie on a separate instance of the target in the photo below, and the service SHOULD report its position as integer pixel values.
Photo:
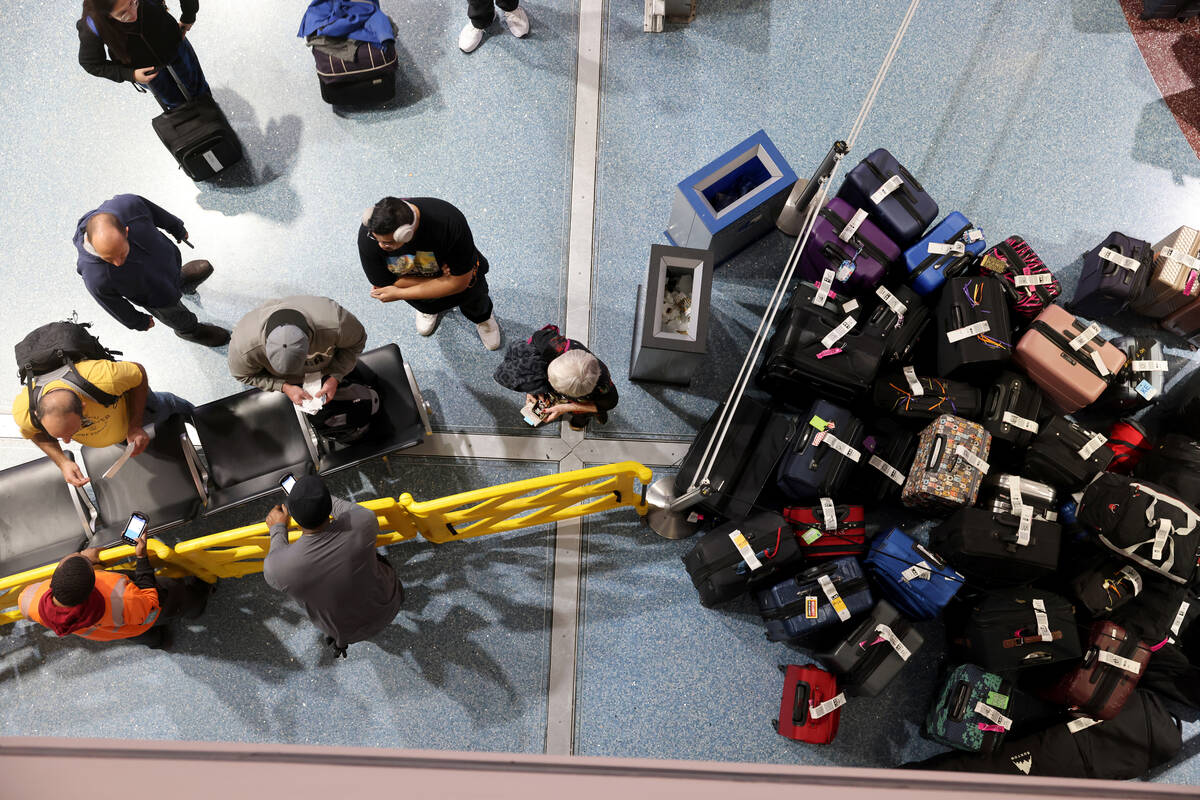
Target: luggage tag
(847, 267)
(1024, 527)
(1035, 279)
(1101, 367)
(821, 426)
(1136, 579)
(849, 306)
(830, 705)
(838, 333)
(1125, 262)
(1015, 498)
(1165, 528)
(743, 547)
(891, 638)
(847, 233)
(1181, 257)
(992, 715)
(889, 186)
(829, 512)
(1120, 662)
(918, 571)
(1180, 615)
(914, 385)
(997, 700)
(841, 447)
(1146, 389)
(810, 607)
(1017, 421)
(993, 263)
(893, 474)
(810, 535)
(823, 289)
(835, 599)
(1094, 444)
(1156, 365)
(972, 459)
(1043, 621)
(891, 301)
(1082, 723)
(965, 333)
(973, 235)
(940, 249)
(1085, 336)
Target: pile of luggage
(920, 374)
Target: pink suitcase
(1064, 354)
(1185, 322)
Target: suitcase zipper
(855, 241)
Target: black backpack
(348, 415)
(49, 354)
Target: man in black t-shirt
(421, 251)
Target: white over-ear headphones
(404, 233)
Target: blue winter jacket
(360, 20)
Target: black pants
(482, 14)
(181, 598)
(475, 303)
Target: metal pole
(803, 193)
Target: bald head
(61, 413)
(109, 238)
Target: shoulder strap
(69, 374)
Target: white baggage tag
(1081, 723)
(1136, 579)
(914, 385)
(971, 330)
(891, 638)
(1156, 365)
(1179, 617)
(1182, 256)
(823, 290)
(1024, 527)
(1120, 662)
(739, 541)
(889, 186)
(1125, 262)
(1019, 422)
(851, 228)
(1037, 279)
(1043, 621)
(1146, 389)
(1015, 498)
(1101, 367)
(835, 335)
(834, 598)
(832, 704)
(1085, 336)
(918, 571)
(1092, 446)
(992, 715)
(972, 459)
(829, 512)
(940, 249)
(973, 235)
(1160, 539)
(893, 302)
(849, 305)
(895, 475)
(841, 447)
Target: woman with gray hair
(559, 377)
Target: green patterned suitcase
(972, 712)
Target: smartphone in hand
(134, 528)
(287, 482)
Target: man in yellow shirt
(64, 411)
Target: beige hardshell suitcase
(1175, 281)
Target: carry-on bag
(1140, 382)
(818, 599)
(949, 466)
(1144, 523)
(1174, 462)
(1016, 628)
(741, 556)
(1068, 358)
(907, 395)
(847, 243)
(994, 550)
(367, 79)
(828, 531)
(1107, 584)
(1162, 612)
(1011, 409)
(973, 330)
(811, 706)
(895, 200)
(198, 135)
(1066, 455)
(888, 452)
(972, 710)
(822, 454)
(1028, 283)
(1115, 272)
(897, 322)
(1174, 280)
(746, 462)
(916, 580)
(881, 644)
(1000, 489)
(943, 253)
(1128, 441)
(1113, 663)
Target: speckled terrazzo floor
(1030, 118)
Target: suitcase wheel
(783, 667)
(775, 725)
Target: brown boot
(194, 273)
(207, 335)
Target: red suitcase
(811, 705)
(1113, 664)
(819, 541)
(1067, 358)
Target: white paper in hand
(120, 462)
(312, 385)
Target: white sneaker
(517, 22)
(489, 333)
(469, 38)
(427, 323)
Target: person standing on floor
(421, 250)
(348, 590)
(125, 258)
(142, 39)
(481, 14)
(560, 376)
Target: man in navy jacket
(125, 259)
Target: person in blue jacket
(125, 258)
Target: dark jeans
(482, 13)
(475, 303)
(187, 67)
(177, 317)
(160, 405)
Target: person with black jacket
(560, 377)
(142, 39)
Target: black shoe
(192, 274)
(156, 638)
(207, 335)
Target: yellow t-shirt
(102, 425)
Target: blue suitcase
(819, 598)
(820, 460)
(928, 271)
(904, 212)
(916, 580)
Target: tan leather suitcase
(1175, 281)
(1067, 358)
(1185, 322)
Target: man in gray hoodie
(277, 344)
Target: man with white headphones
(421, 251)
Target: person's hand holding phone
(139, 549)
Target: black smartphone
(134, 528)
(287, 482)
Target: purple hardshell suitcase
(1114, 273)
(897, 202)
(869, 252)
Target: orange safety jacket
(128, 610)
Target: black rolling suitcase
(888, 453)
(1010, 412)
(1115, 272)
(1015, 628)
(974, 333)
(898, 321)
(875, 652)
(1066, 455)
(737, 557)
(368, 79)
(994, 550)
(198, 135)
(907, 395)
(820, 460)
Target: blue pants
(160, 405)
(187, 67)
